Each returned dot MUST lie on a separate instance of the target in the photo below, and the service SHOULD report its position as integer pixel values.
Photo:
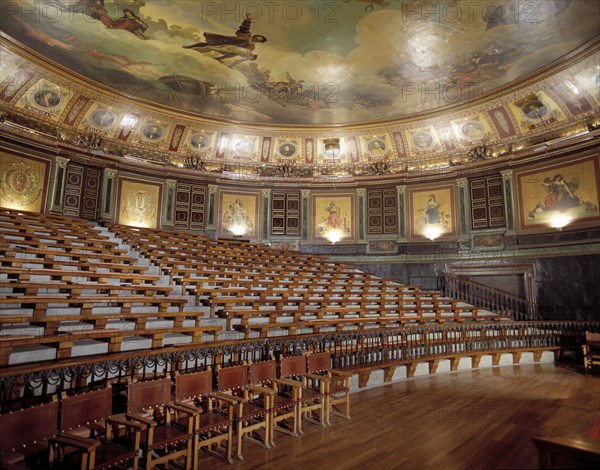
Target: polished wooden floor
(482, 419)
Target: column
(168, 213)
(361, 194)
(109, 195)
(304, 216)
(402, 225)
(509, 201)
(211, 219)
(57, 185)
(266, 214)
(464, 209)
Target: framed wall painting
(432, 212)
(239, 211)
(23, 183)
(560, 195)
(139, 203)
(333, 212)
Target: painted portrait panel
(288, 150)
(139, 203)
(473, 129)
(335, 213)
(422, 141)
(238, 214)
(23, 182)
(536, 110)
(432, 212)
(376, 147)
(46, 99)
(559, 195)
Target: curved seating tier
(69, 287)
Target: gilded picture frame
(139, 203)
(560, 195)
(333, 212)
(237, 210)
(432, 213)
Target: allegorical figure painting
(333, 213)
(239, 212)
(570, 189)
(432, 208)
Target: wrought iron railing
(25, 385)
(495, 300)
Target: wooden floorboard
(481, 419)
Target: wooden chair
(170, 433)
(214, 426)
(88, 416)
(312, 397)
(253, 409)
(338, 385)
(591, 351)
(284, 412)
(25, 439)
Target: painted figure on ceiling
(130, 21)
(241, 45)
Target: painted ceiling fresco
(303, 62)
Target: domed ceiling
(302, 63)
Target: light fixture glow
(559, 221)
(238, 229)
(334, 235)
(432, 231)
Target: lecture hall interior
(325, 234)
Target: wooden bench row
(65, 342)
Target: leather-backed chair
(591, 351)
(337, 385)
(312, 397)
(252, 414)
(284, 409)
(214, 426)
(88, 416)
(170, 432)
(26, 439)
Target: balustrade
(31, 384)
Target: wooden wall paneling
(292, 216)
(487, 203)
(374, 212)
(73, 190)
(479, 211)
(91, 193)
(198, 207)
(390, 211)
(495, 202)
(278, 209)
(183, 198)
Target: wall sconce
(332, 146)
(432, 231)
(559, 221)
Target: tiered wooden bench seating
(273, 293)
(64, 283)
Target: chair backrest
(319, 362)
(592, 337)
(192, 385)
(231, 378)
(149, 394)
(261, 372)
(294, 365)
(30, 424)
(79, 410)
